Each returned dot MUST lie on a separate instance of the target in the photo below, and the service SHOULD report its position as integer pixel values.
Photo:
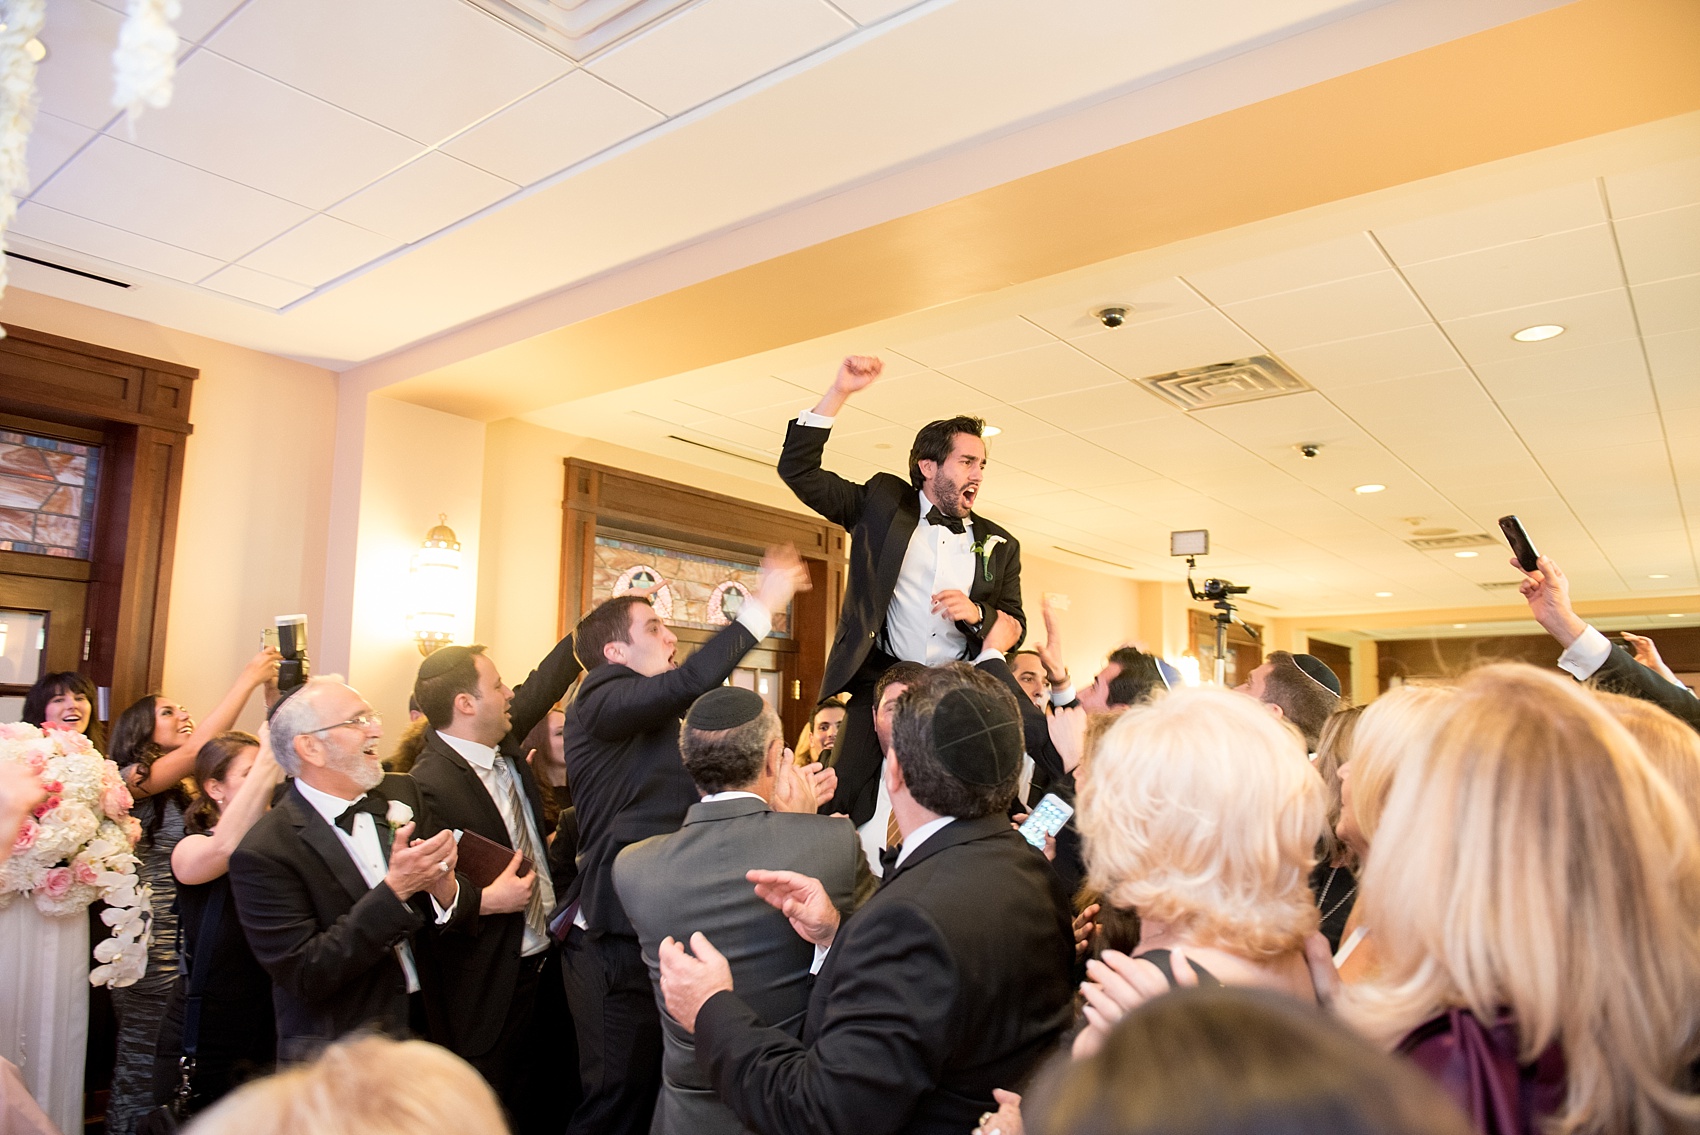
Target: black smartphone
(1521, 546)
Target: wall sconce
(436, 587)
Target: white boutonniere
(984, 550)
(397, 814)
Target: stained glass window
(698, 591)
(47, 494)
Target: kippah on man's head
(724, 707)
(1316, 668)
(977, 737)
(957, 737)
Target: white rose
(398, 814)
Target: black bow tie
(954, 523)
(374, 806)
(888, 861)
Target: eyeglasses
(365, 720)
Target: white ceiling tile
(674, 413)
(1668, 306)
(569, 120)
(1547, 432)
(766, 438)
(1675, 356)
(1657, 246)
(998, 337)
(734, 399)
(256, 287)
(1054, 368)
(1355, 255)
(425, 68)
(867, 12)
(1573, 263)
(1074, 462)
(75, 80)
(52, 142)
(1101, 406)
(237, 123)
(1159, 299)
(196, 19)
(1655, 188)
(717, 46)
(418, 199)
(319, 250)
(1344, 309)
(913, 400)
(1509, 219)
(79, 235)
(849, 421)
(1588, 367)
(1599, 318)
(1197, 339)
(1016, 425)
(1374, 358)
(167, 200)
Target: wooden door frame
(141, 408)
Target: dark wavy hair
(935, 440)
(213, 763)
(49, 686)
(133, 744)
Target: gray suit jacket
(692, 880)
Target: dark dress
(1336, 892)
(238, 1034)
(1477, 1066)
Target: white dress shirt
(919, 836)
(873, 833)
(937, 559)
(731, 794)
(1586, 655)
(521, 827)
(368, 854)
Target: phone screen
(1524, 549)
(1047, 818)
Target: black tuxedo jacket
(1622, 674)
(622, 749)
(1049, 776)
(324, 936)
(952, 980)
(477, 970)
(881, 515)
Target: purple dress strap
(1477, 1066)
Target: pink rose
(26, 837)
(85, 873)
(52, 787)
(132, 829)
(56, 884)
(37, 763)
(46, 806)
(115, 801)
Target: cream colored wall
(416, 464)
(256, 479)
(1103, 612)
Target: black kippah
(1317, 670)
(441, 661)
(271, 711)
(725, 707)
(977, 736)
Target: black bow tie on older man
(374, 806)
(954, 523)
(888, 860)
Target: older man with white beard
(331, 885)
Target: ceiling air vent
(578, 28)
(1224, 384)
(1500, 585)
(1445, 543)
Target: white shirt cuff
(443, 912)
(810, 418)
(755, 616)
(1586, 655)
(820, 958)
(987, 654)
(1063, 696)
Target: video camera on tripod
(1193, 543)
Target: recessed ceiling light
(1459, 626)
(1537, 333)
(1658, 575)
(1384, 594)
(1366, 489)
(990, 431)
(1678, 615)
(1466, 555)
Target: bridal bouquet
(78, 845)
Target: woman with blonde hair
(1202, 815)
(1668, 741)
(1532, 882)
(367, 1085)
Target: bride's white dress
(44, 1005)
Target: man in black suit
(927, 575)
(622, 753)
(500, 995)
(330, 886)
(951, 981)
(1589, 654)
(757, 812)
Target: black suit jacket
(1622, 674)
(622, 750)
(1049, 776)
(881, 516)
(324, 936)
(952, 980)
(478, 971)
